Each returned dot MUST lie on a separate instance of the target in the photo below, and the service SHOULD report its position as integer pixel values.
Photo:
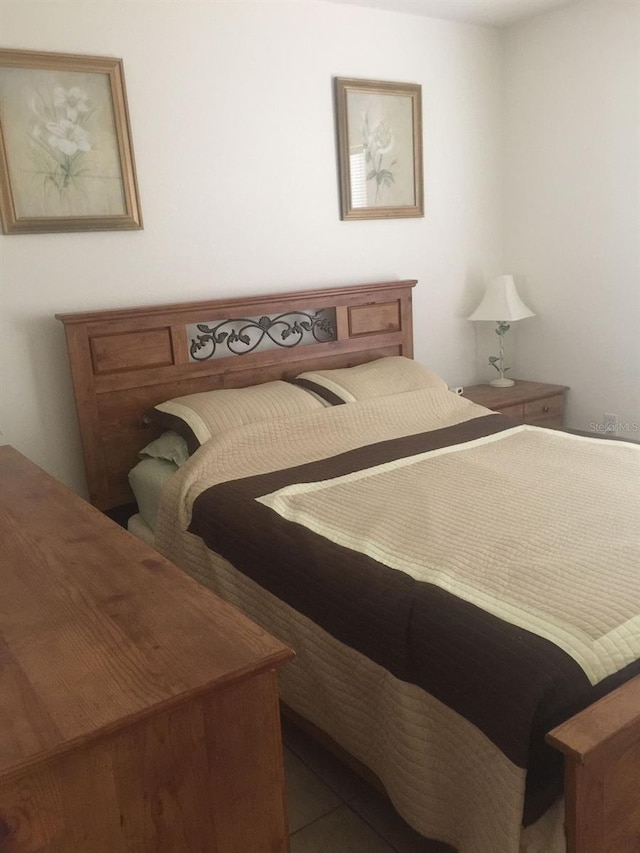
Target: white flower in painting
(68, 137)
(379, 139)
(74, 101)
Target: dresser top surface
(97, 628)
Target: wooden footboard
(601, 746)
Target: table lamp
(503, 306)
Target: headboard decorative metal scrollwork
(241, 336)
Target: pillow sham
(197, 417)
(384, 376)
(169, 447)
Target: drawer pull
(545, 408)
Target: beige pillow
(197, 417)
(379, 378)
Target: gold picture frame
(66, 155)
(379, 129)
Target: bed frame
(123, 362)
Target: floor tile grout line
(343, 802)
(360, 817)
(374, 829)
(321, 778)
(316, 819)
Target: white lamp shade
(501, 302)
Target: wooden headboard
(124, 362)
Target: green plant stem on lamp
(497, 361)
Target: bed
(452, 768)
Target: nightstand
(527, 402)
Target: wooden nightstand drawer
(546, 409)
(527, 402)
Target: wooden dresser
(528, 402)
(138, 711)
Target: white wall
(572, 203)
(232, 117)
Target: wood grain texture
(536, 403)
(370, 319)
(151, 348)
(203, 776)
(120, 678)
(125, 362)
(602, 773)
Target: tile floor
(332, 810)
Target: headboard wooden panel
(123, 362)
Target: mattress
(379, 631)
(146, 480)
(139, 527)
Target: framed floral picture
(379, 128)
(66, 156)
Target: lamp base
(503, 382)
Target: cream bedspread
(520, 554)
(521, 559)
